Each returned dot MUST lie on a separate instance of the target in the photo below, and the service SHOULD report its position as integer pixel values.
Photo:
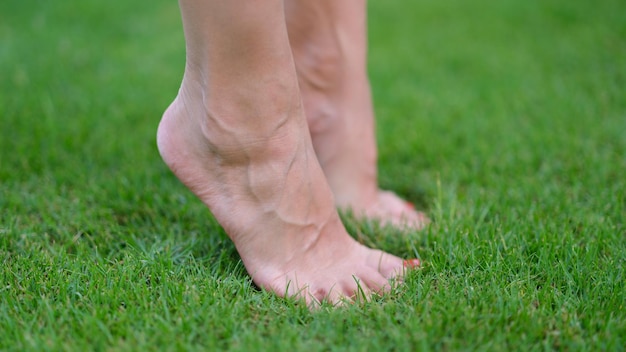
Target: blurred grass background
(505, 121)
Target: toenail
(412, 263)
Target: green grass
(505, 120)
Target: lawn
(505, 121)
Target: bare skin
(237, 137)
(329, 44)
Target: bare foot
(328, 40)
(237, 137)
(267, 190)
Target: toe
(338, 298)
(412, 263)
(377, 283)
(389, 266)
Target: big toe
(389, 266)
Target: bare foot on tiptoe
(237, 137)
(266, 188)
(328, 40)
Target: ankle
(247, 115)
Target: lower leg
(329, 44)
(237, 137)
